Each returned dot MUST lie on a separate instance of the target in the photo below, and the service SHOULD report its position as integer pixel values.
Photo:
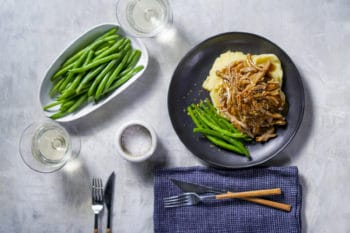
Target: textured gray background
(315, 34)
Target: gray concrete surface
(32, 33)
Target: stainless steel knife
(108, 196)
(202, 189)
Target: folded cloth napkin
(234, 215)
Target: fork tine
(97, 189)
(93, 190)
(182, 200)
(179, 197)
(100, 189)
(174, 197)
(178, 205)
(176, 200)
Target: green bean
(103, 82)
(91, 46)
(135, 58)
(58, 114)
(110, 32)
(47, 107)
(67, 104)
(70, 76)
(211, 116)
(109, 35)
(213, 126)
(77, 80)
(220, 121)
(108, 39)
(123, 79)
(213, 135)
(82, 99)
(239, 146)
(223, 121)
(226, 146)
(66, 94)
(69, 107)
(212, 139)
(95, 63)
(125, 71)
(96, 93)
(101, 50)
(61, 71)
(127, 48)
(89, 77)
(71, 60)
(116, 72)
(110, 50)
(101, 85)
(55, 87)
(100, 77)
(126, 44)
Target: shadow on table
(146, 169)
(76, 183)
(293, 150)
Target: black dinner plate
(186, 88)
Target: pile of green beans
(93, 73)
(217, 129)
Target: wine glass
(47, 146)
(143, 18)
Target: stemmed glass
(46, 146)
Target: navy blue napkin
(230, 215)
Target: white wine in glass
(143, 18)
(47, 146)
(51, 144)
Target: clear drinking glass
(143, 18)
(47, 146)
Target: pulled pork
(251, 99)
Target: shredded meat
(251, 99)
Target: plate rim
(300, 114)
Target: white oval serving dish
(78, 44)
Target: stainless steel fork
(186, 199)
(97, 199)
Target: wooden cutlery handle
(273, 204)
(251, 196)
(108, 230)
(254, 193)
(96, 224)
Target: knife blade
(201, 189)
(108, 196)
(197, 188)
